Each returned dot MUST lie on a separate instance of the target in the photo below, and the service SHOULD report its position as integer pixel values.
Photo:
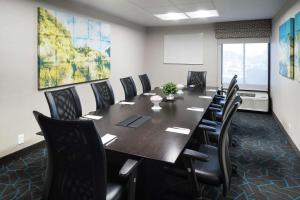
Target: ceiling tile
(180, 2)
(152, 3)
(194, 7)
(161, 9)
(141, 11)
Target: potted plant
(169, 90)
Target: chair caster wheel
(234, 143)
(234, 168)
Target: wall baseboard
(17, 154)
(287, 135)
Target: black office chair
(209, 164)
(64, 104)
(219, 98)
(77, 162)
(104, 94)
(197, 78)
(145, 83)
(218, 111)
(129, 87)
(212, 129)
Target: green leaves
(169, 88)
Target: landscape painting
(297, 47)
(286, 48)
(71, 49)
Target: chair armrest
(219, 96)
(40, 133)
(209, 122)
(128, 167)
(207, 128)
(222, 92)
(214, 109)
(215, 105)
(189, 153)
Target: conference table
(151, 140)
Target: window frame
(244, 42)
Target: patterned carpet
(268, 168)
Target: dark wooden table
(151, 141)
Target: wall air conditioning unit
(255, 101)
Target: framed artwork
(71, 49)
(286, 48)
(297, 47)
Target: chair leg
(234, 168)
(131, 186)
(207, 140)
(201, 196)
(213, 117)
(191, 175)
(234, 143)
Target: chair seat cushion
(222, 102)
(219, 101)
(114, 191)
(209, 172)
(218, 113)
(214, 135)
(219, 116)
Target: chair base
(234, 168)
(234, 143)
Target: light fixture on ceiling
(171, 16)
(202, 14)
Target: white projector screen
(183, 49)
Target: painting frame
(286, 48)
(71, 49)
(297, 47)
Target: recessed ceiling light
(203, 14)
(171, 16)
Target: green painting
(286, 46)
(71, 49)
(297, 47)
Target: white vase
(170, 97)
(156, 100)
(180, 87)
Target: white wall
(161, 73)
(18, 66)
(285, 92)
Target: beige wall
(134, 51)
(285, 92)
(18, 66)
(161, 73)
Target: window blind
(244, 29)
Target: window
(250, 61)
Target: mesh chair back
(232, 83)
(104, 94)
(64, 104)
(197, 78)
(224, 141)
(229, 98)
(129, 87)
(76, 160)
(145, 83)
